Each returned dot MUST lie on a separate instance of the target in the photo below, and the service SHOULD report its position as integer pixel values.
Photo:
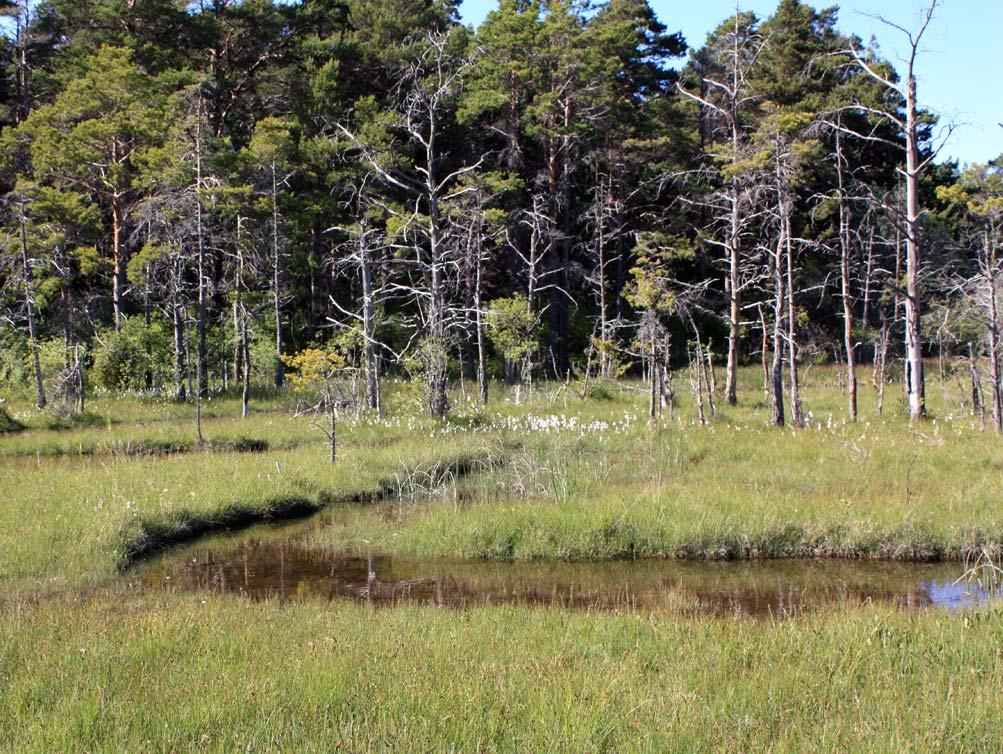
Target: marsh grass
(568, 479)
(589, 481)
(69, 521)
(205, 673)
(88, 663)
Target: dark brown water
(280, 566)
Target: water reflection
(263, 568)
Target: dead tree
(425, 99)
(27, 284)
(979, 194)
(726, 94)
(784, 169)
(364, 247)
(912, 170)
(845, 252)
(604, 218)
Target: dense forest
(200, 196)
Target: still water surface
(279, 564)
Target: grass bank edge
(159, 533)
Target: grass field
(89, 664)
(222, 675)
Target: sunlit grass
(69, 521)
(204, 673)
(596, 481)
(109, 669)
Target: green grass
(90, 663)
(211, 674)
(66, 522)
(579, 480)
(734, 489)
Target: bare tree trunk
(81, 380)
(438, 403)
(844, 279)
(880, 365)
(277, 281)
(914, 336)
(668, 396)
(652, 367)
(978, 404)
(482, 365)
(602, 211)
(776, 371)
(734, 291)
(333, 433)
(711, 382)
(696, 381)
(178, 321)
(764, 347)
(993, 331)
(797, 418)
(238, 352)
(203, 313)
(914, 167)
(734, 296)
(369, 327)
(29, 307)
(245, 362)
(868, 272)
(119, 259)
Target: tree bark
(913, 308)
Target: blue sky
(960, 71)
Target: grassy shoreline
(571, 480)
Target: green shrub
(8, 423)
(123, 359)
